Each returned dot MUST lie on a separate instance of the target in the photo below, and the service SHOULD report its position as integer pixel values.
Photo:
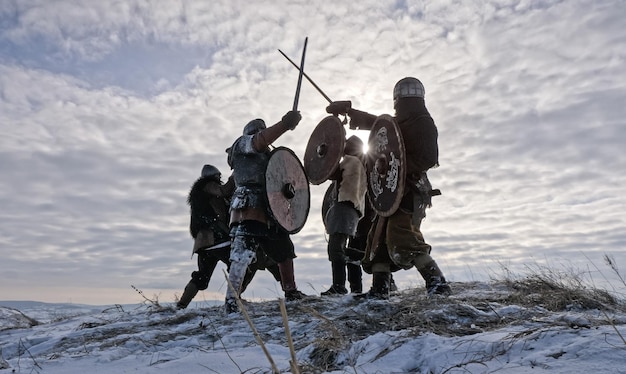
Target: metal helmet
(408, 87)
(254, 126)
(210, 171)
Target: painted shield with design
(287, 188)
(386, 170)
(324, 150)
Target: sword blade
(307, 77)
(297, 97)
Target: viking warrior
(346, 206)
(209, 202)
(395, 241)
(253, 230)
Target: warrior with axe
(254, 227)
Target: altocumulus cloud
(108, 111)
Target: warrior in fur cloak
(209, 202)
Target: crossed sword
(303, 74)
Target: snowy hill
(534, 325)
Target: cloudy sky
(109, 109)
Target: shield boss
(386, 168)
(287, 189)
(324, 150)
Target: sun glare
(364, 135)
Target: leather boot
(355, 278)
(288, 280)
(287, 277)
(190, 292)
(380, 286)
(236, 273)
(436, 283)
(392, 284)
(339, 279)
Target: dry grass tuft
(557, 291)
(326, 346)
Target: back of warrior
(420, 142)
(419, 134)
(209, 201)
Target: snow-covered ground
(485, 327)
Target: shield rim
(311, 151)
(326, 200)
(308, 190)
(402, 174)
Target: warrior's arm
(263, 139)
(359, 120)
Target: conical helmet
(210, 171)
(254, 126)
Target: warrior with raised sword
(270, 202)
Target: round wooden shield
(324, 150)
(287, 188)
(330, 196)
(386, 170)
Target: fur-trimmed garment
(209, 201)
(353, 183)
(346, 197)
